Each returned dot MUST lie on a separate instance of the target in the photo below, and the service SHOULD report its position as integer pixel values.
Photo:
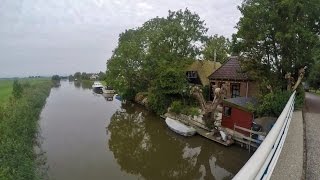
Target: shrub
(205, 92)
(158, 102)
(299, 101)
(17, 89)
(55, 78)
(272, 104)
(176, 107)
(193, 111)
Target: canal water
(86, 137)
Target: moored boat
(179, 127)
(108, 90)
(97, 85)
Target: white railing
(262, 162)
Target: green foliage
(158, 102)
(219, 44)
(77, 75)
(277, 37)
(176, 107)
(55, 78)
(17, 89)
(300, 96)
(153, 57)
(192, 111)
(314, 76)
(102, 76)
(206, 92)
(272, 104)
(18, 127)
(5, 90)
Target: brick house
(238, 83)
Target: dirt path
(312, 120)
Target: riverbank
(18, 127)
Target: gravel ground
(312, 119)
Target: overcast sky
(46, 37)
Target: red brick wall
(252, 88)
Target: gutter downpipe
(247, 89)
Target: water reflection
(143, 146)
(86, 84)
(83, 84)
(77, 84)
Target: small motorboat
(108, 90)
(97, 85)
(109, 97)
(179, 127)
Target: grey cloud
(48, 37)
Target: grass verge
(18, 127)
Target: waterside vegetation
(18, 126)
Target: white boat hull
(179, 127)
(97, 85)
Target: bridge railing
(262, 162)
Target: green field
(6, 86)
(5, 90)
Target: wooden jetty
(201, 129)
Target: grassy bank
(18, 127)
(5, 90)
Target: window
(235, 90)
(192, 74)
(227, 111)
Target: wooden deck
(213, 136)
(202, 130)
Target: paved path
(290, 162)
(312, 120)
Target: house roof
(204, 68)
(243, 103)
(230, 70)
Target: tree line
(86, 76)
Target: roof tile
(230, 70)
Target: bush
(176, 107)
(206, 92)
(129, 94)
(272, 104)
(55, 78)
(193, 111)
(159, 102)
(17, 89)
(299, 101)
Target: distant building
(238, 83)
(198, 71)
(94, 77)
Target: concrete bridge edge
(292, 159)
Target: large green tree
(314, 76)
(277, 36)
(149, 57)
(218, 44)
